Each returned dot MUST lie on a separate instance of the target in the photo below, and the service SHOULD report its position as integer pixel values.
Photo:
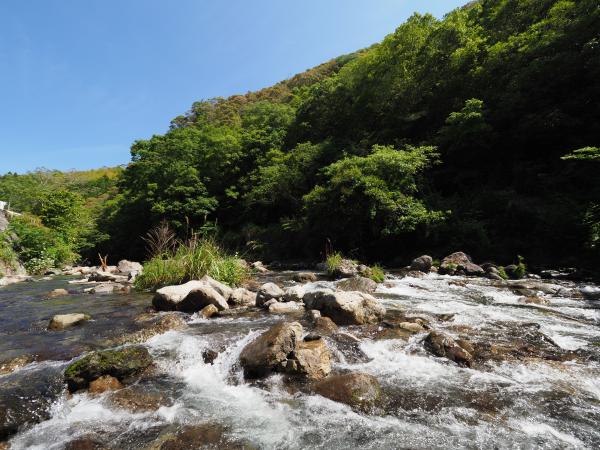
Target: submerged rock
(62, 321)
(58, 293)
(139, 399)
(443, 345)
(422, 263)
(10, 365)
(153, 325)
(359, 284)
(209, 436)
(103, 384)
(120, 364)
(345, 308)
(359, 390)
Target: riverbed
(539, 387)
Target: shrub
(521, 269)
(376, 273)
(333, 262)
(190, 261)
(502, 273)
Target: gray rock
(242, 297)
(443, 345)
(294, 294)
(345, 308)
(305, 277)
(62, 321)
(128, 267)
(422, 263)
(459, 262)
(359, 390)
(267, 292)
(360, 284)
(189, 297)
(58, 293)
(221, 288)
(286, 308)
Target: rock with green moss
(121, 364)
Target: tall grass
(192, 260)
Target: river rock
(359, 390)
(85, 443)
(590, 292)
(411, 327)
(10, 365)
(128, 267)
(305, 277)
(58, 293)
(205, 436)
(345, 308)
(103, 384)
(242, 297)
(310, 359)
(120, 364)
(259, 267)
(294, 294)
(422, 263)
(62, 321)
(103, 276)
(345, 269)
(443, 345)
(189, 297)
(360, 284)
(286, 308)
(533, 300)
(153, 325)
(325, 326)
(269, 351)
(458, 263)
(208, 311)
(221, 288)
(267, 292)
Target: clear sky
(80, 80)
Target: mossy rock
(120, 364)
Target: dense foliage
(450, 134)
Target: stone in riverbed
(360, 284)
(443, 345)
(85, 443)
(422, 263)
(138, 399)
(153, 325)
(128, 267)
(325, 326)
(286, 308)
(459, 263)
(310, 359)
(58, 293)
(268, 291)
(242, 297)
(103, 384)
(294, 294)
(189, 297)
(10, 365)
(359, 390)
(62, 321)
(345, 308)
(121, 364)
(269, 351)
(208, 311)
(305, 277)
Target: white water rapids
(432, 402)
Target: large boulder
(359, 390)
(269, 351)
(120, 364)
(189, 297)
(242, 297)
(294, 294)
(345, 308)
(459, 263)
(221, 288)
(444, 346)
(268, 291)
(360, 284)
(422, 263)
(310, 359)
(128, 267)
(286, 308)
(346, 268)
(62, 321)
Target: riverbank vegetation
(460, 133)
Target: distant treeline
(450, 134)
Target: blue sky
(81, 80)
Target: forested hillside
(450, 134)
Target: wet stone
(103, 384)
(139, 399)
(359, 390)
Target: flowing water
(545, 399)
